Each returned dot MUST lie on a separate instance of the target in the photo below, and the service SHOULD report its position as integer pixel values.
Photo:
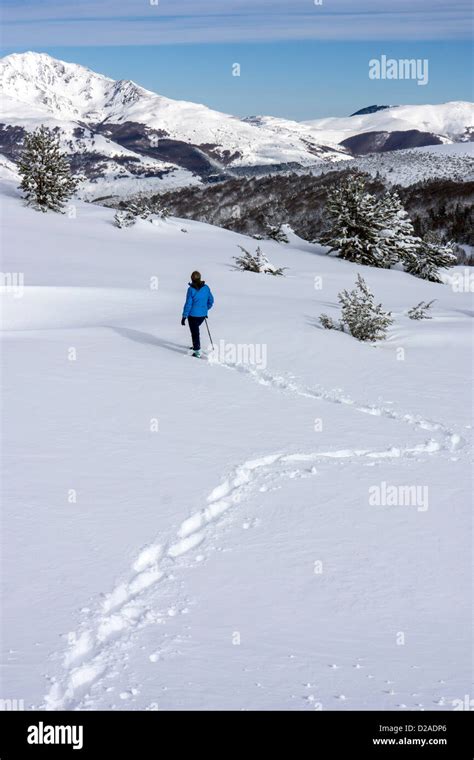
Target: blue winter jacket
(198, 301)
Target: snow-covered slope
(451, 161)
(107, 167)
(450, 121)
(200, 534)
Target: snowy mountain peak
(38, 83)
(46, 71)
(66, 90)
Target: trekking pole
(209, 333)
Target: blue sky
(299, 59)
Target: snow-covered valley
(219, 534)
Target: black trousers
(194, 325)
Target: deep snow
(200, 534)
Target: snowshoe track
(336, 396)
(108, 631)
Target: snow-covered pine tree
(401, 243)
(358, 224)
(124, 218)
(256, 262)
(139, 209)
(364, 319)
(276, 232)
(420, 311)
(162, 210)
(46, 178)
(328, 323)
(431, 256)
(155, 207)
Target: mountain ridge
(120, 134)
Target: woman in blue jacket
(199, 300)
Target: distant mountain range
(121, 136)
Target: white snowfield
(284, 524)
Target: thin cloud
(142, 22)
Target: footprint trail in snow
(104, 633)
